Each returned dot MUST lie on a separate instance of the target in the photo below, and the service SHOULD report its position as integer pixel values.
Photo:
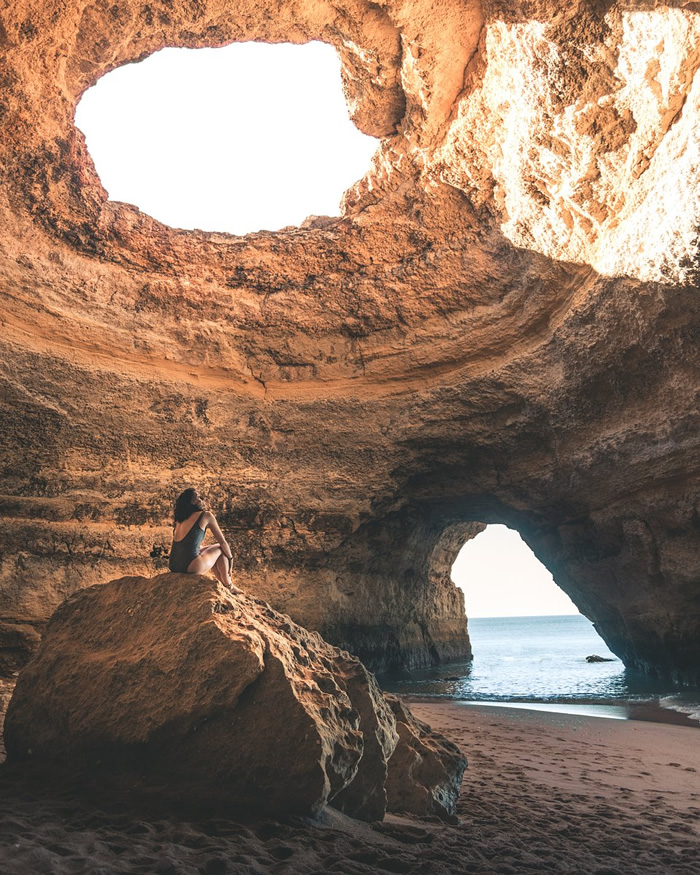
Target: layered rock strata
(501, 327)
(218, 698)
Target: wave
(677, 703)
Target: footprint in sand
(281, 852)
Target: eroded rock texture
(425, 770)
(177, 683)
(501, 327)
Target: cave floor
(543, 792)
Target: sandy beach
(543, 793)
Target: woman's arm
(216, 531)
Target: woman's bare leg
(206, 560)
(213, 559)
(221, 570)
(224, 569)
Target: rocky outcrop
(425, 770)
(501, 327)
(365, 797)
(217, 698)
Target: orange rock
(210, 695)
(425, 770)
(174, 676)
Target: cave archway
(393, 576)
(501, 577)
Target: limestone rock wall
(580, 128)
(502, 326)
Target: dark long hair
(187, 503)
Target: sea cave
(500, 327)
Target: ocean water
(540, 662)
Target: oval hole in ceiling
(242, 138)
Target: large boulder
(212, 695)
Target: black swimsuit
(184, 551)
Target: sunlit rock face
(501, 327)
(580, 130)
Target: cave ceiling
(501, 326)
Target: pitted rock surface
(501, 327)
(179, 682)
(425, 770)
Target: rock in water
(214, 695)
(425, 770)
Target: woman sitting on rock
(189, 528)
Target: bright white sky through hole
(502, 577)
(242, 138)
